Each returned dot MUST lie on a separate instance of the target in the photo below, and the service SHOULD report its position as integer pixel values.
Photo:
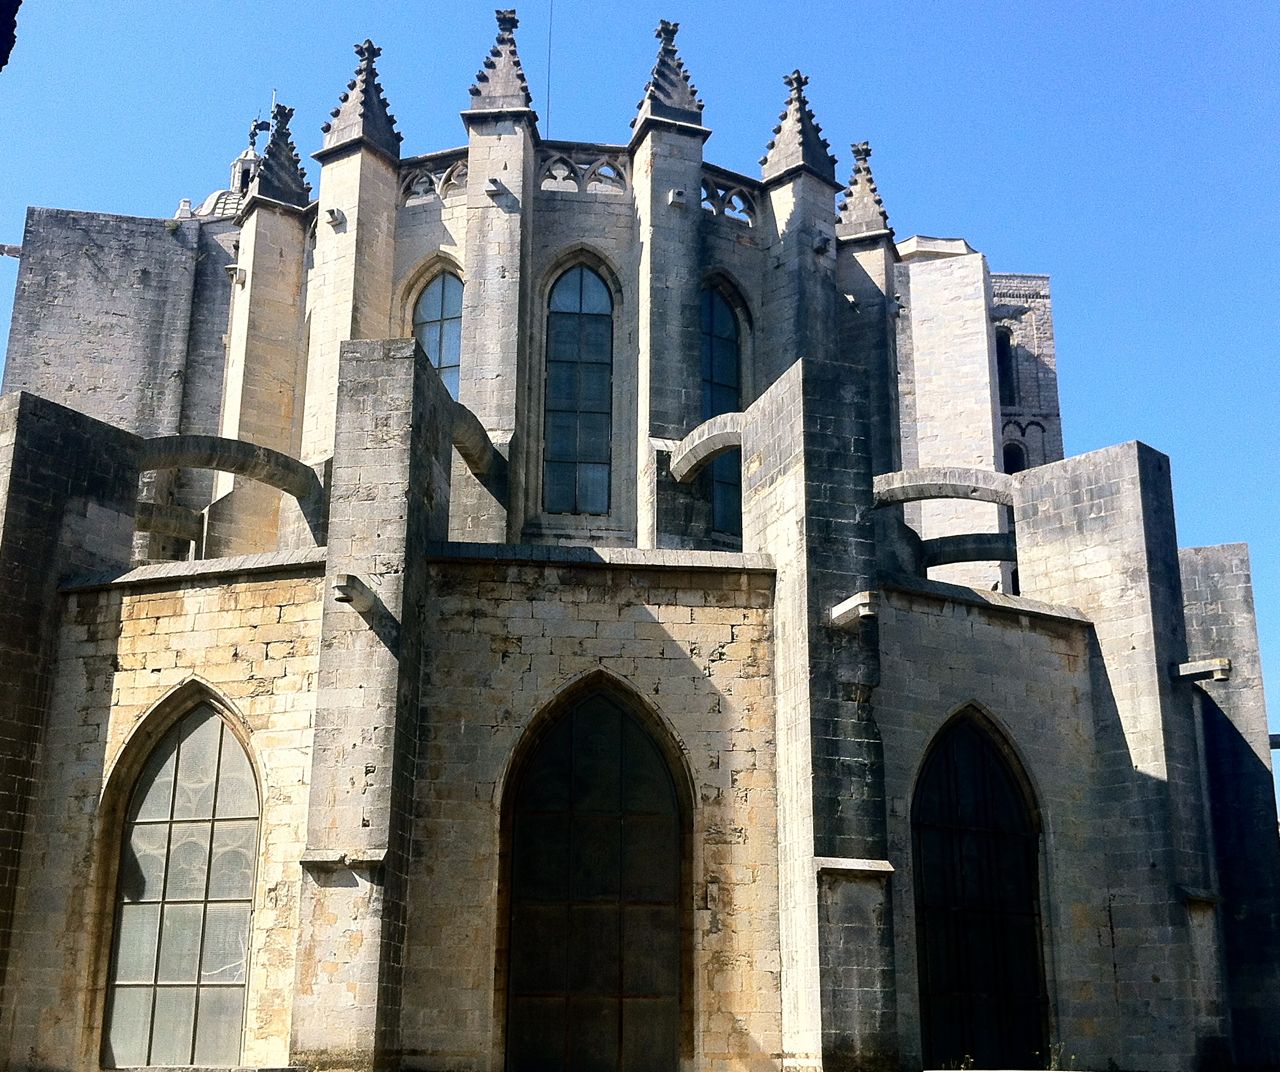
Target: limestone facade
(949, 754)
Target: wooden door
(976, 846)
(595, 951)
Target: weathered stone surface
(414, 619)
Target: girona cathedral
(547, 606)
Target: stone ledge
(604, 557)
(210, 1068)
(851, 866)
(165, 572)
(999, 601)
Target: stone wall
(102, 316)
(1097, 532)
(1022, 305)
(1025, 668)
(952, 392)
(690, 650)
(132, 656)
(1218, 593)
(68, 486)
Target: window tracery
(179, 965)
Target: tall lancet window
(722, 393)
(437, 325)
(176, 992)
(579, 398)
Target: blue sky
(1128, 150)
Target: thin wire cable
(551, 14)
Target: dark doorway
(595, 951)
(976, 846)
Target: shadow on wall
(1248, 856)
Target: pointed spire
(862, 211)
(362, 114)
(279, 176)
(798, 143)
(500, 84)
(669, 94)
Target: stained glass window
(579, 395)
(437, 325)
(179, 965)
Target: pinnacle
(798, 140)
(862, 211)
(669, 94)
(362, 113)
(279, 176)
(500, 83)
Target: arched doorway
(976, 854)
(594, 964)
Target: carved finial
(795, 81)
(279, 176)
(258, 126)
(363, 114)
(669, 94)
(798, 143)
(500, 85)
(862, 211)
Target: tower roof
(797, 142)
(862, 211)
(362, 114)
(500, 84)
(669, 94)
(279, 176)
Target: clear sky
(1129, 150)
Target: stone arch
(654, 923)
(734, 293)
(602, 680)
(151, 728)
(417, 280)
(581, 253)
(977, 867)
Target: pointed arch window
(578, 432)
(179, 964)
(437, 325)
(722, 393)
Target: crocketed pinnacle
(862, 211)
(500, 84)
(797, 139)
(669, 94)
(279, 175)
(362, 114)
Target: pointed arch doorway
(976, 840)
(594, 939)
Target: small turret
(862, 211)
(362, 114)
(500, 84)
(798, 143)
(669, 94)
(279, 176)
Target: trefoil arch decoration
(565, 168)
(721, 198)
(437, 179)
